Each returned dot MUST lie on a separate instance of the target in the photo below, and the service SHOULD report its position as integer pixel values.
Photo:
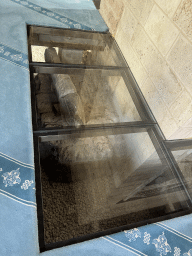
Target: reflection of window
(103, 160)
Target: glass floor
(102, 162)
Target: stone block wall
(155, 37)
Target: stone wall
(155, 37)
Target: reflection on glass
(81, 96)
(184, 160)
(105, 168)
(77, 50)
(95, 183)
(93, 97)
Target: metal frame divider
(148, 123)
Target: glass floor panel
(102, 161)
(93, 97)
(88, 184)
(75, 47)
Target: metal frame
(175, 145)
(47, 68)
(148, 123)
(94, 130)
